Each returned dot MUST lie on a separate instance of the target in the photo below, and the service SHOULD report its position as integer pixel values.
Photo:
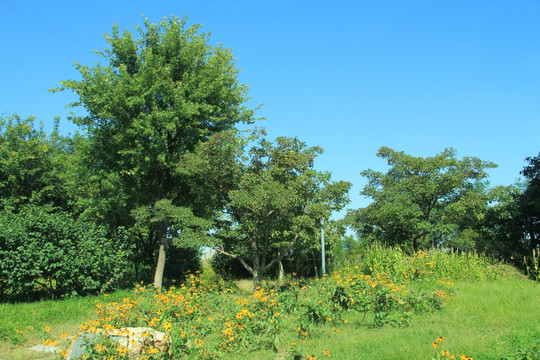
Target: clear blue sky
(350, 76)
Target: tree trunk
(280, 271)
(315, 265)
(163, 193)
(257, 279)
(160, 267)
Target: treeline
(159, 170)
(445, 202)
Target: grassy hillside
(389, 306)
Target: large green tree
(420, 201)
(272, 199)
(157, 94)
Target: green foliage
(157, 95)
(272, 199)
(50, 253)
(530, 206)
(31, 165)
(420, 201)
(205, 320)
(525, 352)
(433, 263)
(180, 262)
(511, 228)
(209, 320)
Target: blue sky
(350, 76)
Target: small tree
(272, 198)
(155, 98)
(419, 200)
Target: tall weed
(432, 264)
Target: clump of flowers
(445, 354)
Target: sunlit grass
(23, 325)
(489, 313)
(488, 320)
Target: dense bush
(49, 253)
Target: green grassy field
(489, 319)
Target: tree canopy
(159, 161)
(419, 201)
(272, 198)
(157, 95)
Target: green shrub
(47, 253)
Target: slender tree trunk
(257, 268)
(315, 264)
(160, 267)
(163, 193)
(280, 271)
(257, 279)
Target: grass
(485, 319)
(61, 316)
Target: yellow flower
(326, 353)
(152, 351)
(47, 329)
(64, 335)
(435, 345)
(198, 342)
(99, 347)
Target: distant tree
(502, 228)
(419, 201)
(153, 100)
(511, 227)
(273, 199)
(32, 165)
(530, 202)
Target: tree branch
(242, 261)
(283, 253)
